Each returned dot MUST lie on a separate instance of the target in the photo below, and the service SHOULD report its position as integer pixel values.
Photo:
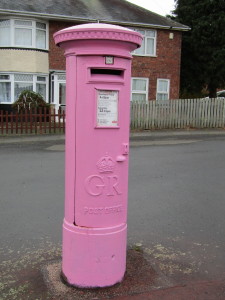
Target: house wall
(166, 64)
(13, 60)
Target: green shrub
(29, 100)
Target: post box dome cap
(94, 26)
(98, 31)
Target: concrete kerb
(164, 134)
(134, 136)
(11, 139)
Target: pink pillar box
(98, 75)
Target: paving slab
(140, 277)
(213, 290)
(142, 280)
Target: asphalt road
(175, 216)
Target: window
(148, 46)
(4, 32)
(23, 33)
(11, 85)
(22, 82)
(40, 35)
(163, 87)
(41, 86)
(139, 89)
(5, 88)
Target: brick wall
(165, 65)
(57, 60)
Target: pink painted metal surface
(98, 74)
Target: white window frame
(161, 92)
(13, 26)
(37, 81)
(34, 83)
(145, 39)
(140, 91)
(18, 81)
(7, 81)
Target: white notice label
(107, 108)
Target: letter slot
(106, 72)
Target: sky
(161, 7)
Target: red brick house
(29, 58)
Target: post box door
(102, 136)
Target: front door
(62, 96)
(59, 91)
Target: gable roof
(119, 12)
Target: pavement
(142, 280)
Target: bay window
(23, 34)
(11, 85)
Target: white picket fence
(182, 113)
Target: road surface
(175, 219)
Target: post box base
(93, 257)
